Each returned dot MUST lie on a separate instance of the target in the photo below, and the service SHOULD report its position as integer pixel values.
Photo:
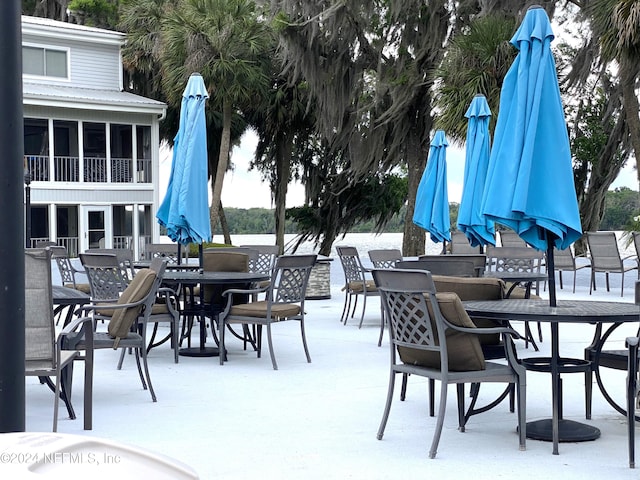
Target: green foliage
(96, 13)
(621, 206)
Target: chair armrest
(109, 306)
(485, 330)
(631, 342)
(84, 325)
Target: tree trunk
(413, 240)
(224, 226)
(283, 160)
(628, 76)
(223, 160)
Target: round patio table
(191, 279)
(556, 429)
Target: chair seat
(259, 309)
(493, 372)
(82, 287)
(359, 287)
(46, 367)
(104, 340)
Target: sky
(244, 189)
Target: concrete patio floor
(319, 420)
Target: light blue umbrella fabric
(479, 229)
(530, 186)
(432, 199)
(185, 208)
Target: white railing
(66, 169)
(71, 244)
(38, 166)
(95, 169)
(121, 170)
(124, 241)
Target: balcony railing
(66, 169)
(38, 167)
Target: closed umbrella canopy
(185, 208)
(432, 199)
(530, 184)
(478, 228)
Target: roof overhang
(89, 99)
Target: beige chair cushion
(222, 262)
(81, 287)
(357, 287)
(259, 310)
(476, 288)
(464, 351)
(123, 318)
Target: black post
(27, 205)
(12, 389)
(551, 274)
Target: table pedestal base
(568, 431)
(199, 352)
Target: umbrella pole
(551, 275)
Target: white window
(45, 61)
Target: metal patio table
(191, 279)
(556, 429)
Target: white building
(92, 150)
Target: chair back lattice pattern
(385, 258)
(168, 251)
(265, 260)
(514, 259)
(291, 278)
(105, 275)
(405, 294)
(350, 260)
(124, 256)
(67, 272)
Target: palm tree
(228, 44)
(476, 63)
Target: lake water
(362, 241)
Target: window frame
(45, 48)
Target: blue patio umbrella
(530, 186)
(432, 200)
(185, 208)
(530, 182)
(478, 228)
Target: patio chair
(479, 260)
(108, 281)
(509, 238)
(356, 285)
(460, 244)
(67, 270)
(633, 400)
(418, 320)
(106, 277)
(129, 316)
(517, 259)
(124, 256)
(441, 265)
(605, 258)
(565, 261)
(44, 355)
(284, 302)
(168, 251)
(384, 258)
